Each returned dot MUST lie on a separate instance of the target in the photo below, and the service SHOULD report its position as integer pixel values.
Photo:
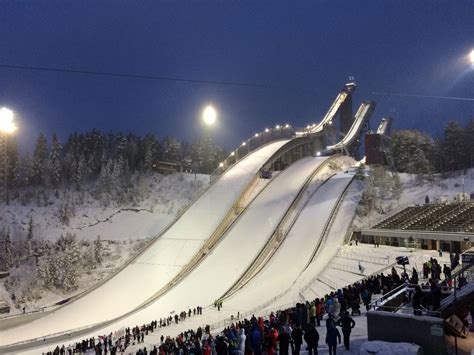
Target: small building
(166, 167)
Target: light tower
(7, 127)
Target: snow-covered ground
(414, 192)
(157, 265)
(163, 197)
(122, 229)
(231, 257)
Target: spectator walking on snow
(346, 323)
(311, 336)
(297, 337)
(332, 338)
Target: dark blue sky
(304, 50)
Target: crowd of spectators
(280, 331)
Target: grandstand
(450, 217)
(440, 226)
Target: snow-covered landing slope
(289, 261)
(222, 266)
(329, 248)
(158, 264)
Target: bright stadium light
(267, 130)
(232, 154)
(244, 144)
(221, 165)
(6, 121)
(471, 57)
(256, 134)
(287, 126)
(277, 126)
(209, 115)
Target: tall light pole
(209, 117)
(7, 126)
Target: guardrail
(351, 269)
(267, 136)
(328, 282)
(365, 258)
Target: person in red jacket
(319, 311)
(271, 337)
(206, 347)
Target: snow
(386, 348)
(414, 193)
(142, 278)
(282, 282)
(163, 197)
(292, 256)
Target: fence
(368, 259)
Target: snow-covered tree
(397, 187)
(80, 173)
(13, 158)
(55, 164)
(172, 149)
(98, 250)
(149, 152)
(7, 249)
(29, 236)
(61, 268)
(66, 209)
(40, 157)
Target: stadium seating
(452, 217)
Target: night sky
(304, 51)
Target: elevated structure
(341, 105)
(351, 140)
(377, 144)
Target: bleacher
(452, 217)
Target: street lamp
(6, 127)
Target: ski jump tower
(345, 112)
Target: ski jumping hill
(249, 242)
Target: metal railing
(348, 268)
(365, 258)
(260, 139)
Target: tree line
(416, 152)
(99, 156)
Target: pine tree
(29, 236)
(98, 248)
(397, 187)
(7, 252)
(81, 172)
(55, 161)
(13, 161)
(65, 210)
(40, 171)
(454, 151)
(149, 152)
(105, 183)
(61, 267)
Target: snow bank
(386, 348)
